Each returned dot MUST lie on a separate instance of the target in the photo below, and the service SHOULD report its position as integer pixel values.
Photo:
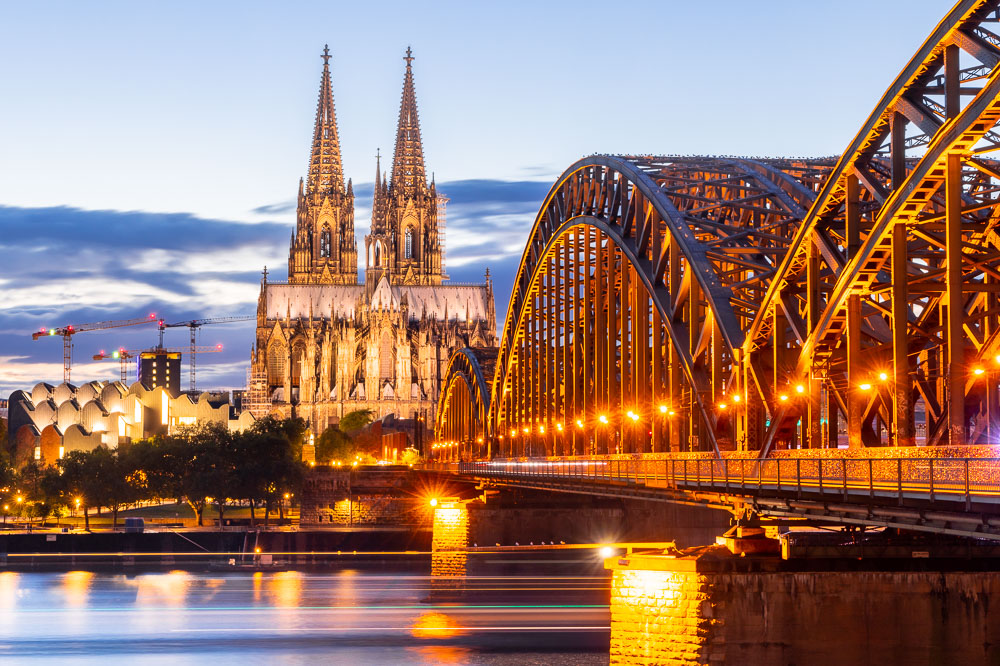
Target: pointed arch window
(408, 245)
(276, 365)
(324, 242)
(387, 357)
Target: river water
(293, 616)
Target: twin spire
(408, 158)
(326, 171)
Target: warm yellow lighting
(559, 427)
(434, 501)
(541, 429)
(663, 409)
(287, 495)
(354, 464)
(997, 358)
(603, 419)
(513, 433)
(19, 499)
(256, 550)
(978, 371)
(671, 413)
(736, 398)
(579, 423)
(865, 387)
(479, 440)
(6, 507)
(799, 388)
(722, 405)
(526, 430)
(782, 397)
(77, 502)
(632, 415)
(312, 463)
(882, 376)
(607, 551)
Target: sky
(150, 152)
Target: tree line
(256, 466)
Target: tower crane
(125, 355)
(194, 325)
(67, 333)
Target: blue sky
(149, 153)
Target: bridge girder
(759, 301)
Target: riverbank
(243, 547)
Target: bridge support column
(956, 303)
(449, 546)
(855, 373)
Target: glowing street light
(663, 409)
(883, 376)
(783, 397)
(799, 388)
(632, 415)
(978, 371)
(603, 418)
(737, 398)
(865, 387)
(579, 424)
(434, 502)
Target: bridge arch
(760, 302)
(461, 423)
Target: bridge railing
(934, 479)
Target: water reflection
(347, 616)
(436, 625)
(76, 586)
(9, 589)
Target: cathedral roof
(326, 301)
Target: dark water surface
(298, 616)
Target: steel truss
(705, 303)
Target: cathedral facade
(328, 343)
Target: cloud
(61, 265)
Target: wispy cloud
(65, 265)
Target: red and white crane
(67, 333)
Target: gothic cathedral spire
(326, 171)
(323, 248)
(404, 244)
(408, 174)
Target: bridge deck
(953, 495)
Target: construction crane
(67, 333)
(194, 325)
(125, 355)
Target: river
(293, 616)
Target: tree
(334, 444)
(356, 420)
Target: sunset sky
(150, 154)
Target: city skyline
(173, 148)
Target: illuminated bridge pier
(814, 341)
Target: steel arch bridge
(676, 304)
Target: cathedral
(328, 344)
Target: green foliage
(356, 420)
(334, 444)
(257, 465)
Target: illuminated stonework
(661, 612)
(450, 540)
(328, 344)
